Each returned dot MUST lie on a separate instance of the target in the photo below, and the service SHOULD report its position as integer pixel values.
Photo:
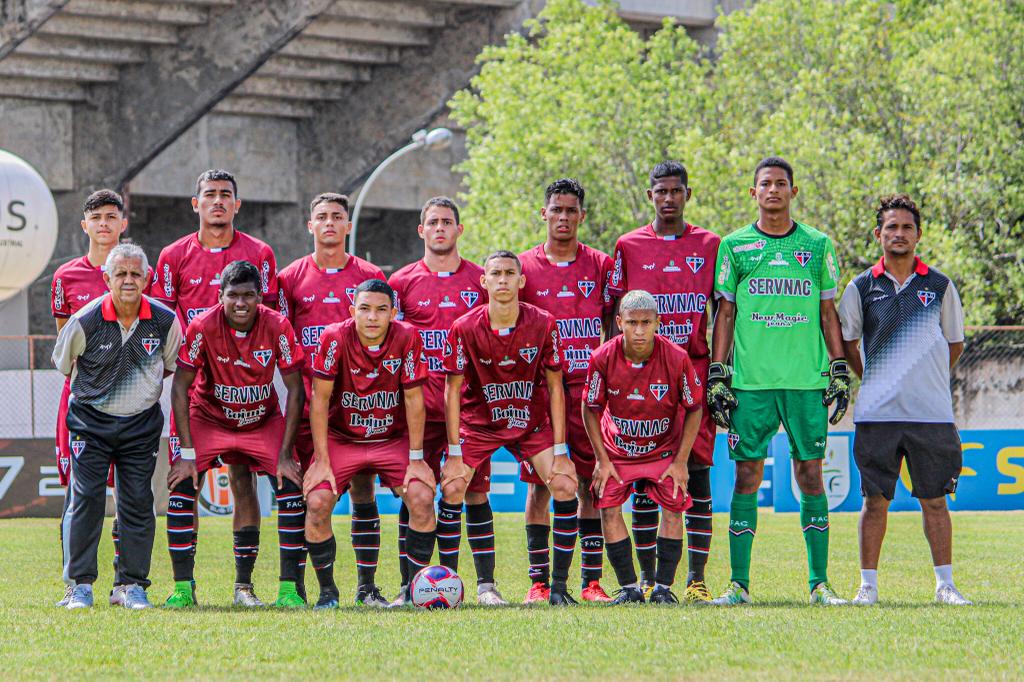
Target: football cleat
(646, 588)
(245, 595)
(117, 595)
(662, 595)
(628, 595)
(183, 596)
(559, 596)
(328, 600)
(369, 595)
(697, 592)
(593, 591)
(867, 595)
(68, 589)
(135, 598)
(734, 595)
(487, 595)
(824, 594)
(404, 598)
(539, 593)
(81, 597)
(948, 594)
(288, 597)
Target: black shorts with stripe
(932, 451)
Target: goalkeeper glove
(720, 397)
(838, 390)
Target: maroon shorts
(388, 459)
(435, 445)
(704, 447)
(615, 493)
(215, 444)
(580, 449)
(303, 447)
(478, 447)
(63, 448)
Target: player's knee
(454, 491)
(562, 488)
(419, 499)
(319, 507)
(808, 477)
(748, 478)
(361, 490)
(610, 515)
(876, 504)
(241, 482)
(537, 497)
(671, 523)
(933, 505)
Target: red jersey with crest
(187, 275)
(643, 404)
(679, 271)
(235, 370)
(74, 284)
(576, 293)
(506, 391)
(431, 302)
(312, 298)
(367, 403)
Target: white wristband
(415, 455)
(561, 449)
(454, 450)
(187, 454)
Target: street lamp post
(438, 138)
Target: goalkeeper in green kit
(776, 281)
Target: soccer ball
(436, 587)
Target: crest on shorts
(734, 440)
(77, 447)
(529, 353)
(150, 344)
(392, 364)
(926, 297)
(263, 355)
(695, 263)
(469, 298)
(659, 390)
(586, 287)
(802, 257)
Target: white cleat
(81, 597)
(245, 595)
(734, 595)
(867, 595)
(824, 595)
(68, 589)
(487, 595)
(948, 594)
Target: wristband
(561, 449)
(415, 455)
(187, 454)
(454, 450)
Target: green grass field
(907, 636)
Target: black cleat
(662, 595)
(328, 599)
(628, 595)
(560, 596)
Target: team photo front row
(605, 377)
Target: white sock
(869, 576)
(943, 576)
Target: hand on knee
(562, 488)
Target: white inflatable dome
(28, 225)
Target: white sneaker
(867, 595)
(81, 597)
(68, 589)
(824, 595)
(135, 598)
(948, 594)
(245, 595)
(117, 595)
(487, 595)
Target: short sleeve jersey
(642, 404)
(506, 392)
(187, 275)
(234, 384)
(576, 293)
(678, 270)
(777, 284)
(367, 403)
(74, 284)
(430, 302)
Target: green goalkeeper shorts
(756, 419)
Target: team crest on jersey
(77, 447)
(469, 298)
(586, 287)
(263, 355)
(351, 293)
(926, 297)
(150, 344)
(695, 263)
(528, 354)
(392, 364)
(734, 440)
(659, 391)
(802, 257)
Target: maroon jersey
(576, 293)
(506, 392)
(679, 271)
(187, 276)
(431, 302)
(367, 403)
(75, 283)
(642, 403)
(235, 370)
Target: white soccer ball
(437, 587)
(28, 225)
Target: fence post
(32, 381)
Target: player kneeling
(638, 387)
(235, 418)
(366, 416)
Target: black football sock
(366, 541)
(247, 547)
(449, 534)
(620, 556)
(698, 524)
(537, 540)
(291, 525)
(645, 534)
(480, 529)
(323, 555)
(670, 551)
(564, 530)
(403, 529)
(419, 547)
(591, 550)
(181, 530)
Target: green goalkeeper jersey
(777, 284)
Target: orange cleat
(539, 593)
(594, 592)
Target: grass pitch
(906, 637)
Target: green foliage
(864, 97)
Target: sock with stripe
(480, 529)
(247, 547)
(291, 526)
(449, 534)
(742, 529)
(814, 521)
(670, 551)
(181, 530)
(366, 541)
(323, 555)
(591, 551)
(645, 534)
(419, 547)
(620, 556)
(564, 531)
(698, 524)
(115, 535)
(403, 529)
(538, 538)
